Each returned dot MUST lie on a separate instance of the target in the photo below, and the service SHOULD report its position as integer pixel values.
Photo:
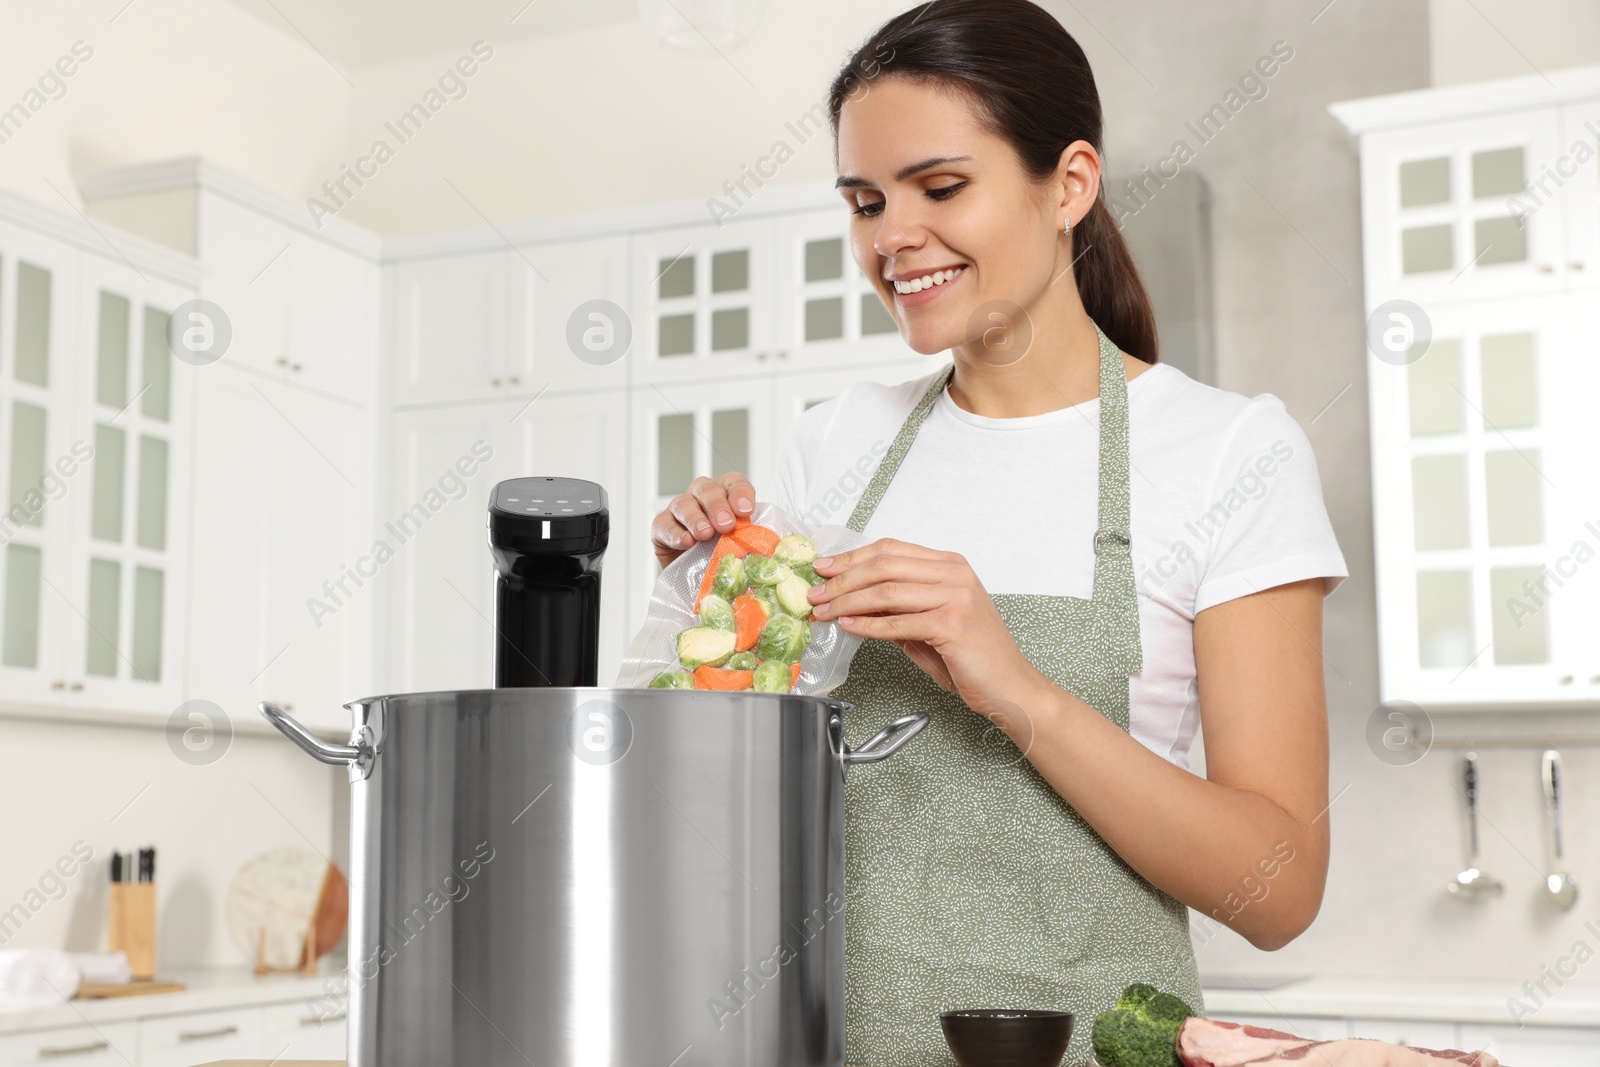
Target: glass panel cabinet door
(1485, 506)
(41, 474)
(702, 301)
(1457, 211)
(126, 596)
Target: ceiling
(362, 33)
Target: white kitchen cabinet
(560, 335)
(1481, 224)
(98, 1045)
(451, 321)
(828, 313)
(96, 421)
(283, 544)
(703, 301)
(1578, 167)
(200, 1037)
(1545, 1046)
(1445, 215)
(439, 587)
(293, 1032)
(300, 309)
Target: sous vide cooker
(555, 873)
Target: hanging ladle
(1472, 884)
(1560, 888)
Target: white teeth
(927, 281)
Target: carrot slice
(756, 538)
(709, 677)
(749, 616)
(794, 675)
(725, 545)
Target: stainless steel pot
(590, 877)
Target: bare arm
(1247, 844)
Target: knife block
(131, 925)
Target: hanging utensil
(1473, 884)
(1560, 888)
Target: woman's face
(932, 191)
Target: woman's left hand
(933, 607)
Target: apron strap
(1115, 593)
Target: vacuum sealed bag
(731, 613)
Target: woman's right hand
(710, 506)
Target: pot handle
(887, 741)
(315, 747)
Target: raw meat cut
(1215, 1043)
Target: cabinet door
(100, 1045)
(440, 605)
(1446, 214)
(249, 262)
(828, 312)
(293, 1032)
(1580, 139)
(1479, 484)
(560, 336)
(42, 473)
(281, 550)
(333, 319)
(200, 1037)
(451, 327)
(1547, 1046)
(703, 301)
(128, 586)
(683, 431)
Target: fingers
(886, 597)
(922, 626)
(719, 497)
(881, 547)
(927, 568)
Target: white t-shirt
(1225, 501)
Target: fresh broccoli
(1141, 1030)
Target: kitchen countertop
(208, 990)
(1464, 1000)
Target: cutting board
(103, 990)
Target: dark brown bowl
(1007, 1037)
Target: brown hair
(1032, 85)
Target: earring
(1066, 227)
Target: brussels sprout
(796, 548)
(699, 645)
(716, 613)
(768, 595)
(672, 680)
(809, 573)
(772, 677)
(742, 661)
(764, 570)
(792, 595)
(729, 581)
(784, 638)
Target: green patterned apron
(969, 881)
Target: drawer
(104, 1045)
(294, 1031)
(201, 1037)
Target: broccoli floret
(1141, 1030)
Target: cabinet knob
(58, 684)
(783, 354)
(77, 687)
(297, 367)
(1565, 679)
(283, 361)
(1545, 268)
(495, 382)
(1577, 264)
(761, 355)
(515, 380)
(1595, 680)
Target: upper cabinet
(95, 413)
(1481, 214)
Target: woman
(1080, 555)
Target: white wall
(600, 117)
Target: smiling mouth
(927, 281)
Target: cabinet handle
(761, 355)
(47, 1052)
(297, 367)
(198, 1035)
(318, 1020)
(1577, 264)
(782, 354)
(77, 687)
(58, 684)
(495, 382)
(1545, 268)
(283, 361)
(515, 380)
(1565, 679)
